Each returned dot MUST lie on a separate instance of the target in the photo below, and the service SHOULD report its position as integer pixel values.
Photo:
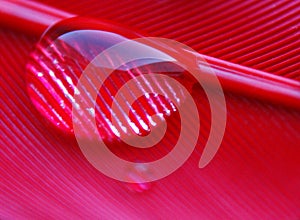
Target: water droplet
(136, 175)
(59, 60)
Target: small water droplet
(136, 175)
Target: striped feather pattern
(255, 174)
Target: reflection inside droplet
(57, 63)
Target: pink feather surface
(255, 174)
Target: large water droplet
(59, 60)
